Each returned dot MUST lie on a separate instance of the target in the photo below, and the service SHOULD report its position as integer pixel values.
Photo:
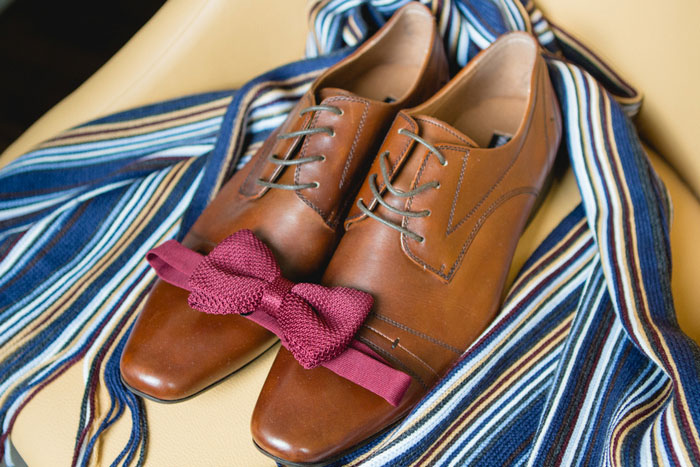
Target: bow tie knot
(274, 294)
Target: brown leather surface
(432, 297)
(173, 351)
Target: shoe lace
(274, 158)
(400, 193)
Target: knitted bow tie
(316, 323)
(240, 276)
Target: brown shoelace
(402, 194)
(303, 160)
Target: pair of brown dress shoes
(383, 179)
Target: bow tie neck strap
(174, 263)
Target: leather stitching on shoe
(332, 223)
(401, 156)
(420, 334)
(386, 355)
(490, 210)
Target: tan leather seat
(194, 46)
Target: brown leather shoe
(294, 194)
(431, 238)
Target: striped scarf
(584, 364)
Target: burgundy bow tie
(316, 323)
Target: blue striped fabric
(585, 364)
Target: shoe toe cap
(174, 352)
(312, 416)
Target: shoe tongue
(438, 132)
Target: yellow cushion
(197, 46)
(654, 46)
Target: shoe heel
(560, 159)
